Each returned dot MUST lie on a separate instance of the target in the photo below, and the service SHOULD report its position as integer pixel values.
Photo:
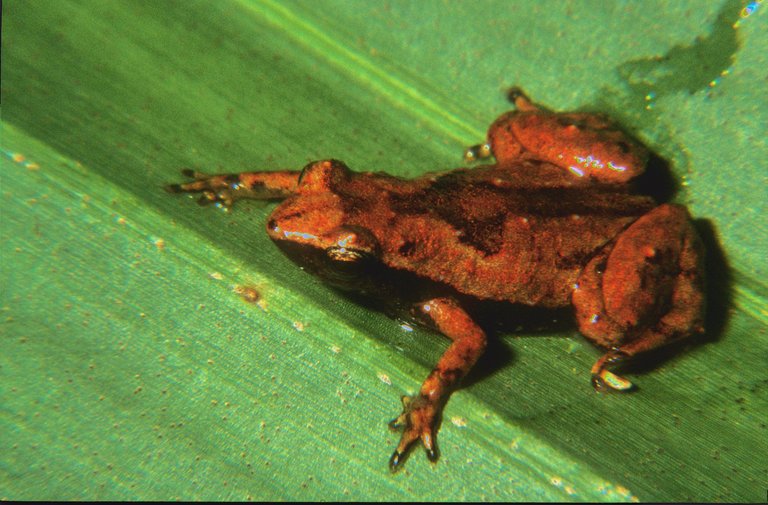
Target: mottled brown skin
(552, 223)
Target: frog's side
(552, 223)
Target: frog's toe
(173, 188)
(603, 379)
(401, 421)
(396, 461)
(521, 101)
(516, 93)
(606, 380)
(478, 152)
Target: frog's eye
(345, 254)
(351, 244)
(350, 257)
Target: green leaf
(131, 368)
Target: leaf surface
(131, 368)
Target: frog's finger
(428, 441)
(401, 453)
(402, 420)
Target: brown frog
(552, 223)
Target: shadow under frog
(687, 69)
(554, 224)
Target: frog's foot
(418, 421)
(218, 189)
(603, 378)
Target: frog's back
(504, 239)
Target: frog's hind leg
(522, 104)
(225, 189)
(641, 292)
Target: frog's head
(311, 225)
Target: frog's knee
(502, 141)
(587, 298)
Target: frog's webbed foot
(419, 420)
(224, 189)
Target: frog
(553, 222)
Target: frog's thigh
(652, 264)
(647, 286)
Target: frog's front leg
(643, 291)
(421, 413)
(225, 189)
